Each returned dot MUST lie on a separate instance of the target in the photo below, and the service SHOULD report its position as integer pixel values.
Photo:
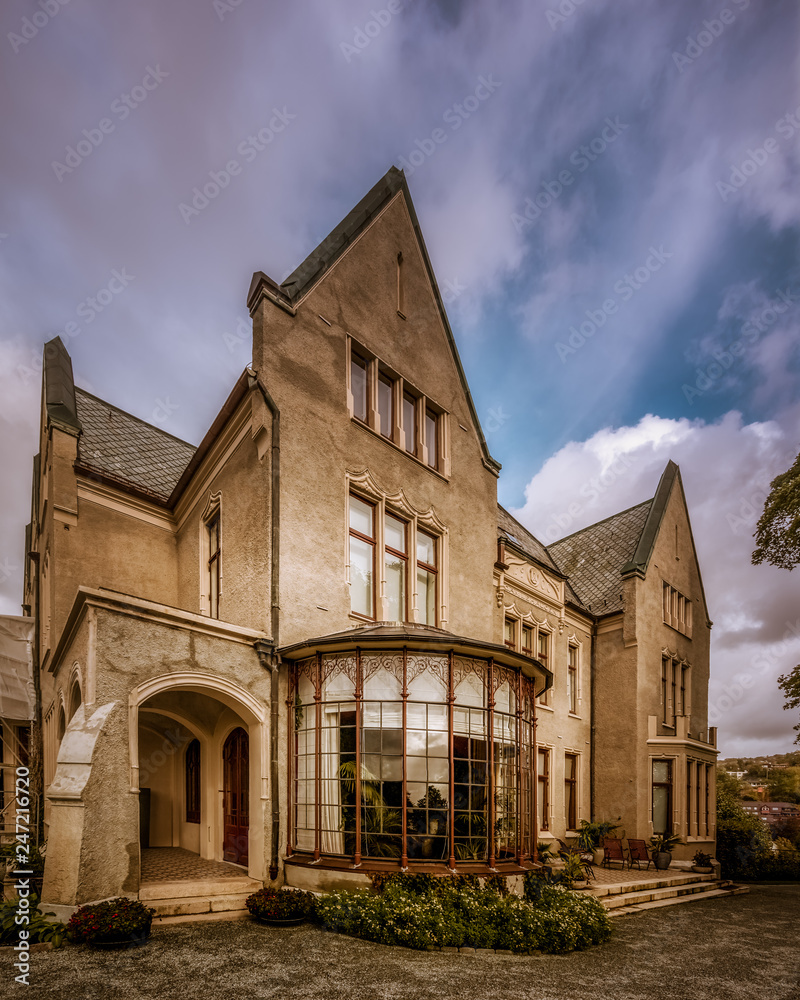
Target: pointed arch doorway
(236, 799)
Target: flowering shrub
(281, 904)
(39, 928)
(450, 913)
(116, 920)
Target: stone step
(620, 888)
(710, 893)
(661, 892)
(188, 887)
(232, 904)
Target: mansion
(315, 646)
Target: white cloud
(726, 468)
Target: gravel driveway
(742, 947)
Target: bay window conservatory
(411, 746)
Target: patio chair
(637, 852)
(613, 851)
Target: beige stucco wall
(303, 361)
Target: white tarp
(17, 695)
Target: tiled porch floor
(171, 864)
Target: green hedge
(453, 913)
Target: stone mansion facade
(315, 646)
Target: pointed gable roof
(593, 557)
(59, 387)
(288, 294)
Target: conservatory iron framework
(411, 752)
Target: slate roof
(510, 529)
(125, 448)
(593, 558)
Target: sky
(608, 190)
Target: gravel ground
(742, 947)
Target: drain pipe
(268, 653)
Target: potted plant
(590, 838)
(702, 863)
(572, 871)
(281, 907)
(115, 923)
(661, 846)
(545, 854)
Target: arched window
(62, 724)
(193, 782)
(74, 698)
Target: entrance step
(195, 898)
(622, 904)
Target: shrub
(281, 904)
(39, 928)
(116, 920)
(702, 860)
(449, 912)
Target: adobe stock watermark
(248, 149)
(31, 26)
(748, 511)
(496, 419)
(756, 158)
(564, 11)
(88, 310)
(624, 289)
(592, 490)
(224, 7)
(725, 358)
(712, 28)
(378, 20)
(163, 410)
(761, 664)
(581, 158)
(454, 116)
(22, 874)
(121, 108)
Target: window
(395, 563)
(571, 790)
(193, 782)
(432, 438)
(666, 666)
(362, 557)
(385, 406)
(662, 796)
(409, 423)
(542, 655)
(572, 679)
(543, 781)
(426, 578)
(689, 785)
(213, 566)
(510, 633)
(358, 386)
(527, 640)
(677, 610)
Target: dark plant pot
(662, 861)
(579, 883)
(281, 921)
(702, 869)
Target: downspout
(272, 660)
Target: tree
(784, 785)
(790, 685)
(777, 533)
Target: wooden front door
(235, 760)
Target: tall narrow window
(426, 578)
(431, 436)
(510, 633)
(395, 562)
(572, 679)
(386, 405)
(664, 691)
(543, 778)
(527, 640)
(362, 557)
(409, 423)
(358, 386)
(689, 768)
(662, 796)
(400, 287)
(683, 690)
(542, 654)
(213, 566)
(193, 782)
(674, 690)
(571, 790)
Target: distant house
(772, 812)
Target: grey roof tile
(117, 444)
(593, 558)
(510, 528)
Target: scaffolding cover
(17, 697)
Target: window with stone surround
(677, 610)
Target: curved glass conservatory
(411, 745)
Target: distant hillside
(791, 759)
